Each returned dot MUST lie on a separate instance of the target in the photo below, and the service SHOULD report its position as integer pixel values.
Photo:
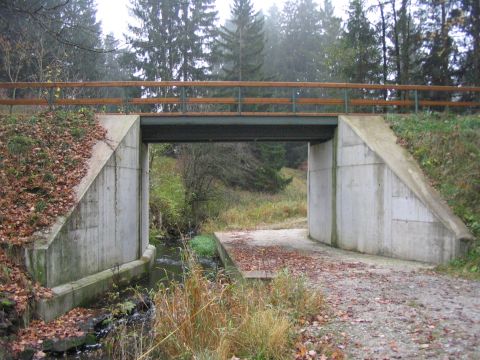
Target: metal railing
(240, 98)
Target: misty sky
(114, 13)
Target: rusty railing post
(183, 100)
(345, 100)
(239, 100)
(415, 95)
(294, 100)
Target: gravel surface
(381, 308)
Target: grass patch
(447, 147)
(219, 320)
(248, 210)
(204, 245)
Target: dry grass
(217, 320)
(248, 210)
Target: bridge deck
(237, 128)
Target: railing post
(415, 94)
(294, 100)
(125, 104)
(51, 98)
(183, 100)
(345, 100)
(239, 100)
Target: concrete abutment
(104, 238)
(368, 194)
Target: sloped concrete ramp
(368, 194)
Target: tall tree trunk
(384, 47)
(396, 45)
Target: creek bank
(118, 309)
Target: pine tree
(468, 12)
(82, 62)
(361, 53)
(63, 38)
(273, 45)
(153, 41)
(302, 44)
(438, 43)
(196, 39)
(331, 31)
(241, 43)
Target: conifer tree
(242, 42)
(360, 44)
(302, 44)
(330, 55)
(197, 35)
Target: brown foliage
(42, 159)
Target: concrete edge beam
(85, 290)
(232, 269)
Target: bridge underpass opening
(184, 133)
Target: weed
(49, 177)
(77, 133)
(11, 120)
(33, 219)
(5, 272)
(19, 144)
(40, 205)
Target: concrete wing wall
(366, 193)
(108, 226)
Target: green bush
(204, 245)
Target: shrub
(204, 245)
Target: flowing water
(169, 266)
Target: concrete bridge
(365, 192)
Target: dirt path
(384, 308)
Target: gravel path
(383, 308)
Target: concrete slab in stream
(231, 244)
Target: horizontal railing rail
(238, 94)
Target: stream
(169, 266)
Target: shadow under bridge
(237, 128)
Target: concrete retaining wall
(108, 226)
(366, 193)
